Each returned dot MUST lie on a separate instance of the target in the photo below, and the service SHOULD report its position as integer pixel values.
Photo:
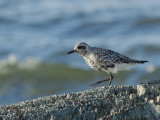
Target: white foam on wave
(29, 63)
(150, 68)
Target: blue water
(44, 31)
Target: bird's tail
(141, 61)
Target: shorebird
(106, 60)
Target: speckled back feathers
(109, 56)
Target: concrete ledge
(103, 103)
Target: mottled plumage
(104, 59)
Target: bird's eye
(81, 47)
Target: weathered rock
(103, 103)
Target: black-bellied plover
(104, 60)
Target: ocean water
(35, 36)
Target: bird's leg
(98, 82)
(110, 78)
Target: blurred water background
(35, 36)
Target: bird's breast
(92, 63)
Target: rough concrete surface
(141, 102)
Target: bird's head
(82, 48)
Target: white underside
(119, 67)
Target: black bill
(71, 52)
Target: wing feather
(107, 56)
